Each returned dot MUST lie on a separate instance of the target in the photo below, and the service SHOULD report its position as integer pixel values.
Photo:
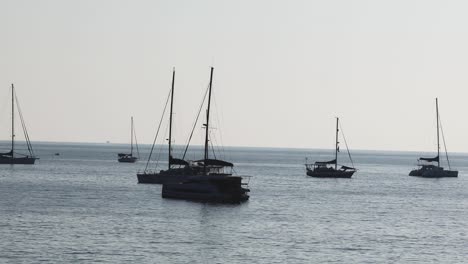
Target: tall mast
(131, 137)
(12, 120)
(438, 144)
(170, 118)
(207, 125)
(336, 145)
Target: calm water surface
(83, 206)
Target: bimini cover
(435, 159)
(123, 155)
(325, 162)
(215, 162)
(178, 161)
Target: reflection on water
(84, 206)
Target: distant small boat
(128, 157)
(11, 157)
(320, 169)
(427, 169)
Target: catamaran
(210, 182)
(206, 180)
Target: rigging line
(25, 134)
(443, 139)
(212, 147)
(22, 126)
(220, 146)
(346, 143)
(157, 132)
(213, 138)
(30, 148)
(161, 146)
(25, 131)
(19, 113)
(195, 123)
(175, 130)
(215, 147)
(136, 142)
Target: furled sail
(216, 162)
(435, 159)
(178, 161)
(10, 153)
(325, 162)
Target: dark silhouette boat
(426, 167)
(207, 179)
(11, 157)
(178, 169)
(128, 157)
(329, 169)
(206, 188)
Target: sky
(283, 70)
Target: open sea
(85, 207)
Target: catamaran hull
(155, 178)
(213, 191)
(330, 174)
(24, 161)
(434, 174)
(206, 198)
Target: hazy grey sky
(283, 69)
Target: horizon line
(264, 147)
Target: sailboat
(128, 157)
(321, 169)
(204, 180)
(427, 169)
(207, 180)
(178, 169)
(12, 157)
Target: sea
(82, 206)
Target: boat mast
(12, 121)
(207, 122)
(438, 144)
(170, 118)
(336, 144)
(131, 136)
